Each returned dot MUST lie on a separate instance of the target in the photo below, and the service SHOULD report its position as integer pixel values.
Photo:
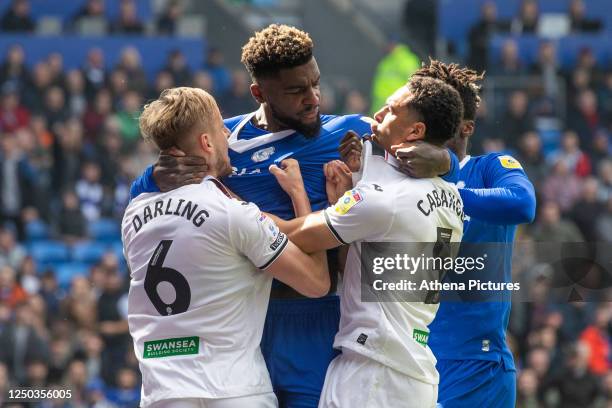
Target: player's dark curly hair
(439, 106)
(276, 47)
(464, 80)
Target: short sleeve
(362, 213)
(254, 234)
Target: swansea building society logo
(179, 346)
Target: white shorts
(353, 380)
(267, 400)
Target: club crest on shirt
(350, 199)
(263, 154)
(509, 162)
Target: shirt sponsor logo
(179, 346)
(263, 154)
(362, 339)
(509, 162)
(420, 336)
(348, 200)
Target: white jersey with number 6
(198, 299)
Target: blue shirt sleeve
(144, 184)
(508, 197)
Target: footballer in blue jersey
(469, 338)
(299, 332)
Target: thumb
(275, 170)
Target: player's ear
(467, 128)
(205, 142)
(256, 93)
(416, 132)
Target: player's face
(395, 123)
(221, 146)
(293, 97)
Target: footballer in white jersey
(201, 266)
(386, 361)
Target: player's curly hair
(464, 80)
(276, 47)
(439, 106)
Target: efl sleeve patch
(509, 162)
(350, 199)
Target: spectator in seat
(547, 68)
(18, 184)
(585, 118)
(163, 80)
(203, 80)
(91, 9)
(604, 170)
(55, 106)
(128, 21)
(75, 88)
(13, 69)
(127, 392)
(131, 105)
(552, 228)
(94, 72)
(575, 384)
(481, 32)
(527, 389)
(597, 338)
(562, 186)
(96, 114)
(238, 99)
(55, 61)
(13, 115)
(34, 96)
(587, 209)
(131, 64)
(575, 159)
(510, 63)
(112, 322)
(354, 102)
(166, 23)
(19, 343)
(177, 67)
(17, 18)
(90, 191)
(604, 97)
(72, 225)
(604, 224)
(516, 120)
(11, 292)
(68, 155)
(218, 71)
(527, 20)
(579, 23)
(11, 253)
(532, 159)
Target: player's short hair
(276, 47)
(175, 114)
(439, 106)
(464, 80)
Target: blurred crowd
(557, 122)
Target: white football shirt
(387, 206)
(198, 299)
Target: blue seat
(65, 272)
(88, 252)
(105, 229)
(37, 231)
(49, 251)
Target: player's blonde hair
(176, 114)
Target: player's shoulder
(232, 122)
(349, 122)
(498, 159)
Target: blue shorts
(476, 383)
(297, 345)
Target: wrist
(297, 192)
(445, 162)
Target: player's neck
(264, 119)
